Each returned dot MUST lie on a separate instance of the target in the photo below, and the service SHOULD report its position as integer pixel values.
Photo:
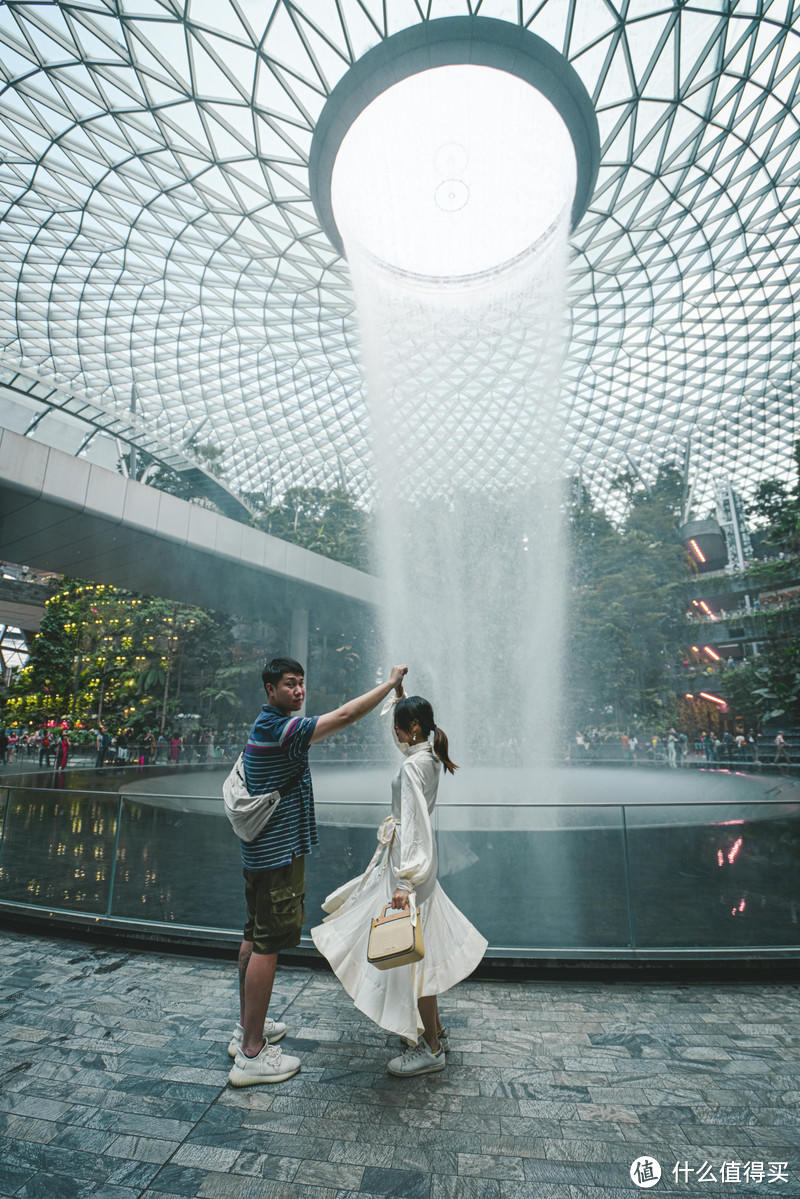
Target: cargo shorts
(275, 906)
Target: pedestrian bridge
(22, 604)
(62, 513)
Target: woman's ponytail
(440, 748)
(414, 708)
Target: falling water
(462, 378)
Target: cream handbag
(395, 937)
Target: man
(101, 740)
(45, 747)
(276, 758)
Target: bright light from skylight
(452, 172)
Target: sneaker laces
(421, 1049)
(267, 1053)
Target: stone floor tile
(109, 1191)
(355, 1154)
(142, 1149)
(130, 1173)
(330, 1174)
(35, 1108)
(12, 1177)
(26, 1128)
(72, 1136)
(450, 1186)
(267, 1165)
(158, 1194)
(396, 1184)
(206, 1157)
(441, 1158)
(488, 1165)
(512, 1146)
(47, 1186)
(230, 1186)
(538, 1190)
(173, 1179)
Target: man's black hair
(276, 668)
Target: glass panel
(57, 850)
(346, 843)
(179, 863)
(531, 878)
(3, 810)
(721, 876)
(537, 877)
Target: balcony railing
(541, 880)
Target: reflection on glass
(569, 877)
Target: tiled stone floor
(113, 1071)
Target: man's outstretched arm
(354, 709)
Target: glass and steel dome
(164, 276)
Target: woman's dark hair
(414, 707)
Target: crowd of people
(50, 745)
(54, 746)
(675, 749)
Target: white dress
(405, 858)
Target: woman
(62, 751)
(403, 1000)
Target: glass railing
(539, 880)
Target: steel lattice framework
(157, 237)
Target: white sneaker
(273, 1031)
(417, 1059)
(270, 1065)
(444, 1040)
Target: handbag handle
(410, 910)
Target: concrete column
(298, 639)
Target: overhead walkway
(61, 513)
(22, 604)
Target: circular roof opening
(451, 148)
(453, 172)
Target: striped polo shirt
(276, 750)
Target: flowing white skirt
(453, 948)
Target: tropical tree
(104, 654)
(625, 613)
(328, 522)
(766, 688)
(775, 509)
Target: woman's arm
(416, 837)
(388, 709)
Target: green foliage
(625, 618)
(106, 655)
(766, 688)
(325, 521)
(209, 456)
(771, 574)
(776, 509)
